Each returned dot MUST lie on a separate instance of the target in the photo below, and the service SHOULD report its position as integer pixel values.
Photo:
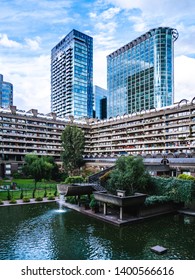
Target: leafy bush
(154, 199)
(38, 198)
(26, 199)
(74, 179)
(71, 199)
(13, 201)
(51, 197)
(186, 177)
(176, 189)
(93, 203)
(130, 175)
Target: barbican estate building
(164, 137)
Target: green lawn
(27, 185)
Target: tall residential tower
(72, 76)
(140, 74)
(6, 93)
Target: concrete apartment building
(165, 138)
(30, 132)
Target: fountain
(61, 203)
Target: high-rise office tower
(72, 76)
(140, 74)
(6, 93)
(100, 102)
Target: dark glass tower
(72, 76)
(6, 93)
(140, 74)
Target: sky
(29, 29)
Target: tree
(130, 175)
(73, 143)
(38, 167)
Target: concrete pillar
(105, 208)
(121, 213)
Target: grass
(27, 185)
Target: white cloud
(33, 45)
(31, 81)
(109, 13)
(184, 78)
(6, 42)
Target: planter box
(137, 199)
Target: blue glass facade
(72, 76)
(6, 93)
(100, 104)
(140, 74)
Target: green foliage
(21, 194)
(8, 195)
(74, 179)
(38, 198)
(186, 177)
(156, 199)
(26, 199)
(51, 197)
(93, 203)
(1, 202)
(71, 199)
(13, 201)
(73, 143)
(176, 189)
(130, 175)
(38, 167)
(17, 175)
(104, 178)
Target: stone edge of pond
(32, 201)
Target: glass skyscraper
(140, 74)
(6, 93)
(100, 104)
(72, 76)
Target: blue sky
(29, 29)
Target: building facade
(100, 102)
(140, 74)
(164, 136)
(6, 93)
(72, 76)
(23, 132)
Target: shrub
(71, 199)
(154, 199)
(74, 179)
(13, 201)
(130, 175)
(8, 195)
(38, 198)
(51, 197)
(26, 199)
(186, 177)
(1, 202)
(176, 189)
(93, 203)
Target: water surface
(45, 232)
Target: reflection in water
(50, 231)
